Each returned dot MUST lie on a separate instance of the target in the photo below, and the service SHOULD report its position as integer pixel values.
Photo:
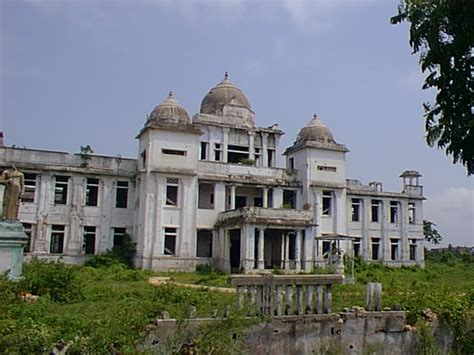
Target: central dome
(223, 94)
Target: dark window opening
(28, 229)
(413, 249)
(172, 192)
(236, 153)
(217, 152)
(291, 163)
(119, 234)
(88, 245)
(203, 152)
(92, 192)
(57, 239)
(393, 212)
(327, 203)
(411, 213)
(206, 196)
(289, 199)
(270, 157)
(121, 195)
(394, 249)
(30, 188)
(270, 198)
(327, 168)
(174, 152)
(375, 211)
(355, 210)
(60, 189)
(357, 248)
(326, 249)
(143, 156)
(258, 201)
(375, 248)
(204, 243)
(240, 201)
(170, 241)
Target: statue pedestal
(12, 241)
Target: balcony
(267, 216)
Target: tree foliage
(442, 31)
(430, 232)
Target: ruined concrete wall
(351, 333)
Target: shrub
(52, 278)
(122, 253)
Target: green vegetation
(102, 310)
(107, 309)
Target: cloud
(453, 213)
(314, 16)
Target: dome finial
(170, 94)
(226, 75)
(315, 115)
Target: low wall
(353, 332)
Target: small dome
(315, 130)
(169, 112)
(223, 94)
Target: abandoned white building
(207, 190)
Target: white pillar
(252, 145)
(265, 197)
(287, 251)
(249, 244)
(261, 248)
(298, 250)
(225, 142)
(308, 249)
(232, 197)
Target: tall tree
(430, 232)
(442, 31)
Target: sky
(84, 72)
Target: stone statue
(14, 183)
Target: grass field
(107, 309)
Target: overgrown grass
(102, 309)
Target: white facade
(208, 191)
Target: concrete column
(366, 203)
(225, 143)
(232, 197)
(252, 145)
(384, 215)
(248, 261)
(219, 197)
(265, 197)
(264, 155)
(287, 251)
(277, 197)
(282, 253)
(261, 248)
(298, 250)
(308, 246)
(403, 223)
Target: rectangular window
(326, 249)
(411, 213)
(206, 196)
(29, 229)
(203, 151)
(119, 234)
(374, 216)
(204, 243)
(393, 212)
(258, 201)
(177, 152)
(289, 199)
(237, 153)
(375, 248)
(172, 192)
(327, 203)
(240, 201)
(270, 157)
(413, 249)
(121, 194)
(92, 191)
(217, 152)
(60, 189)
(56, 245)
(88, 244)
(30, 188)
(170, 241)
(355, 207)
(357, 247)
(291, 163)
(143, 156)
(327, 168)
(258, 155)
(394, 249)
